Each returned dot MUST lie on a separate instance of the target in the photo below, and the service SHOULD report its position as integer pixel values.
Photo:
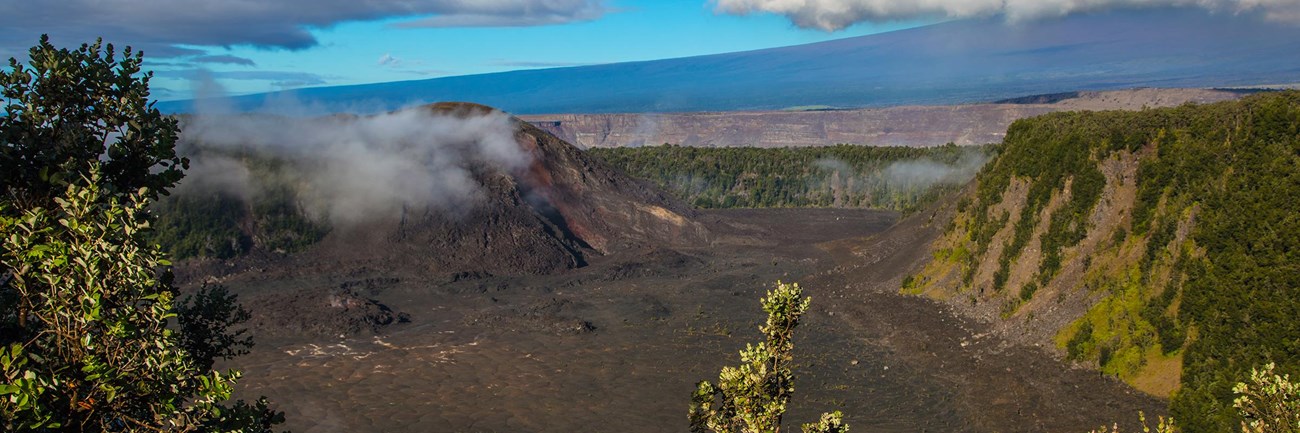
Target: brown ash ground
(619, 344)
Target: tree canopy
(904, 179)
(68, 111)
(86, 301)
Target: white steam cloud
(919, 173)
(219, 173)
(348, 169)
(926, 172)
(831, 15)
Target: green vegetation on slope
(1050, 151)
(897, 178)
(1240, 163)
(1203, 264)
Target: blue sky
(350, 49)
(266, 45)
(377, 51)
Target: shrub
(752, 397)
(1270, 403)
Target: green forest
(1223, 300)
(897, 178)
(220, 223)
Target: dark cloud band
(163, 28)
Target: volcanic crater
(575, 298)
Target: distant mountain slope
(1162, 245)
(961, 61)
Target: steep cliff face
(1160, 246)
(897, 126)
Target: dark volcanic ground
(618, 345)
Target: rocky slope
(544, 215)
(1149, 244)
(552, 213)
(896, 126)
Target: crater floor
(619, 345)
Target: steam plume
(924, 173)
(920, 173)
(352, 169)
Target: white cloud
(388, 60)
(831, 15)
